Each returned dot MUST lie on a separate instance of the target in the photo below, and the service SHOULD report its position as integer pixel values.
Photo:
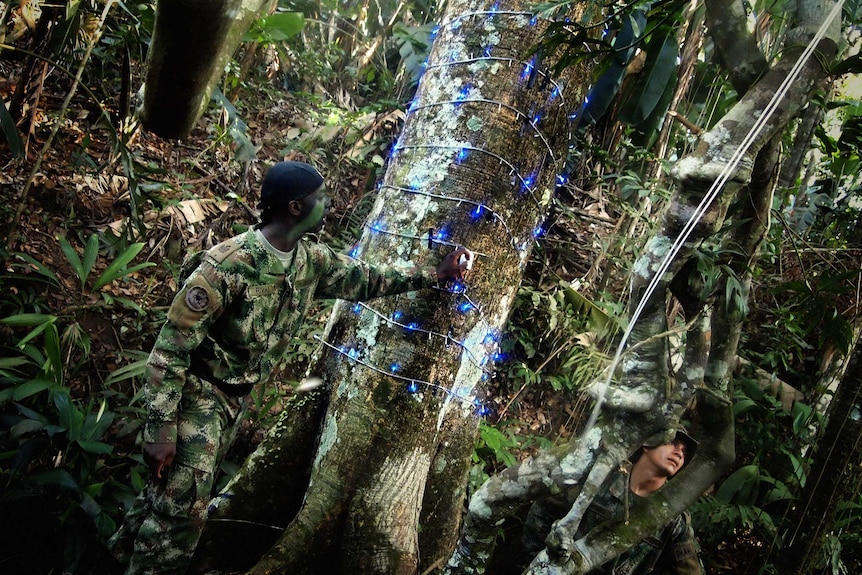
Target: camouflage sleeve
(346, 278)
(685, 549)
(190, 315)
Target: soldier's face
(312, 216)
(668, 458)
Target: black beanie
(287, 181)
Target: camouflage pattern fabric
(238, 310)
(672, 550)
(163, 526)
(227, 330)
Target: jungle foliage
(98, 218)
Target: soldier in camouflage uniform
(227, 330)
(672, 550)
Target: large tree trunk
(642, 398)
(192, 42)
(475, 166)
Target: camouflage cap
(664, 437)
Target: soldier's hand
(158, 456)
(455, 264)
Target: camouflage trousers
(164, 525)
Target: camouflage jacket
(233, 318)
(672, 550)
(669, 551)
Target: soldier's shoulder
(228, 252)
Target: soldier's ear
(294, 208)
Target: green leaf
(40, 268)
(27, 412)
(31, 388)
(96, 447)
(74, 260)
(237, 128)
(95, 425)
(28, 319)
(91, 254)
(41, 321)
(743, 406)
(134, 369)
(851, 65)
(276, 27)
(71, 419)
(54, 353)
(10, 131)
(118, 269)
(6, 362)
(25, 426)
(738, 483)
(662, 54)
(801, 416)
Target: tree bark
(643, 399)
(475, 166)
(192, 42)
(833, 478)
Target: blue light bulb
(394, 368)
(396, 315)
(357, 307)
(412, 387)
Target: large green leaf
(41, 321)
(118, 269)
(10, 131)
(275, 28)
(31, 388)
(70, 417)
(661, 64)
(96, 447)
(28, 319)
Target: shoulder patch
(221, 251)
(197, 298)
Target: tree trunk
(475, 166)
(707, 181)
(192, 42)
(833, 479)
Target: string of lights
(526, 182)
(494, 11)
(413, 326)
(463, 99)
(480, 347)
(557, 92)
(413, 385)
(479, 211)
